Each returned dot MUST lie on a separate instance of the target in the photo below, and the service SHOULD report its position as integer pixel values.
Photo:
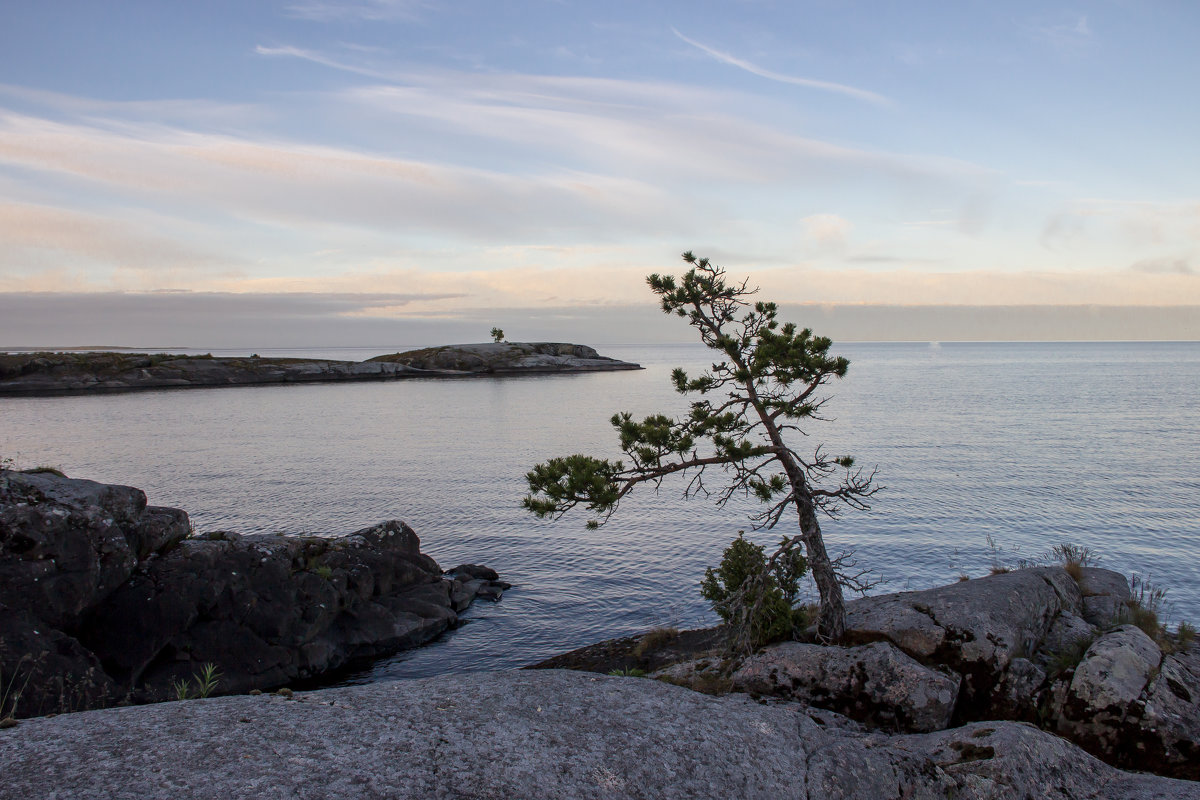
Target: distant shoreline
(68, 372)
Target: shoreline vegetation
(70, 372)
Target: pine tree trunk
(831, 624)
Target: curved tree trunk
(831, 624)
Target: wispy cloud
(827, 230)
(1164, 266)
(282, 182)
(1069, 35)
(287, 51)
(811, 83)
(370, 10)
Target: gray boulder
(538, 734)
(1066, 636)
(1133, 706)
(1105, 596)
(975, 628)
(876, 684)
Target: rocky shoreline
(1041, 646)
(33, 374)
(1030, 683)
(105, 600)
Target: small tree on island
(768, 383)
(497, 335)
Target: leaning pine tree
(766, 386)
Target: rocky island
(46, 373)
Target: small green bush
(743, 591)
(631, 672)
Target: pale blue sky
(429, 160)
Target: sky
(305, 172)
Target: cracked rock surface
(536, 734)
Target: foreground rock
(59, 373)
(546, 734)
(104, 599)
(1013, 646)
(876, 683)
(977, 628)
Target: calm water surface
(1032, 444)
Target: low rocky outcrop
(104, 599)
(543, 734)
(65, 373)
(876, 683)
(976, 628)
(1134, 705)
(1012, 646)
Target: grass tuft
(653, 640)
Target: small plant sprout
(631, 672)
(207, 679)
(182, 689)
(10, 691)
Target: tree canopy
(753, 403)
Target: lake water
(1032, 444)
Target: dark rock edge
(105, 600)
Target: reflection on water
(1032, 444)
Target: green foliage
(1185, 635)
(564, 482)
(497, 335)
(631, 672)
(744, 584)
(206, 681)
(182, 689)
(324, 571)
